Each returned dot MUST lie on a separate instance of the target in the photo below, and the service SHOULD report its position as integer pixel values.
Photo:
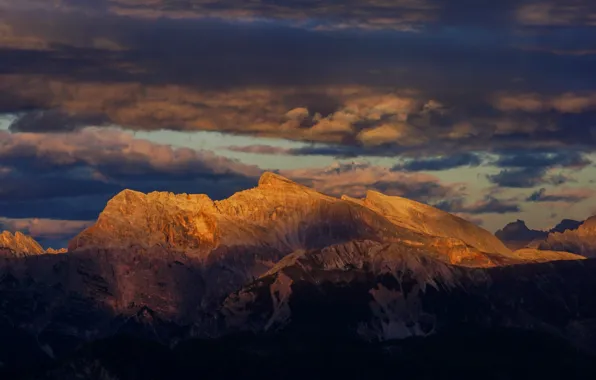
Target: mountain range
(282, 260)
(568, 236)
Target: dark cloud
(439, 91)
(441, 163)
(355, 178)
(328, 15)
(570, 196)
(566, 159)
(530, 169)
(52, 120)
(525, 177)
(488, 205)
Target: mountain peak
(135, 218)
(566, 224)
(517, 235)
(20, 243)
(276, 180)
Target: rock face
(566, 224)
(278, 256)
(389, 291)
(432, 221)
(19, 244)
(581, 241)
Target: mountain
(18, 244)
(517, 235)
(566, 224)
(282, 259)
(581, 241)
(52, 251)
(278, 214)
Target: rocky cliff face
(19, 244)
(390, 291)
(432, 221)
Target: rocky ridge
(517, 235)
(52, 251)
(284, 216)
(581, 241)
(19, 244)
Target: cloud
(530, 169)
(557, 13)
(441, 163)
(488, 205)
(437, 92)
(566, 103)
(403, 15)
(437, 98)
(261, 149)
(355, 178)
(328, 16)
(569, 196)
(527, 177)
(566, 159)
(111, 153)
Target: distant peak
(273, 179)
(20, 243)
(566, 224)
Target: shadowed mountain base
(462, 354)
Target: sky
(486, 109)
